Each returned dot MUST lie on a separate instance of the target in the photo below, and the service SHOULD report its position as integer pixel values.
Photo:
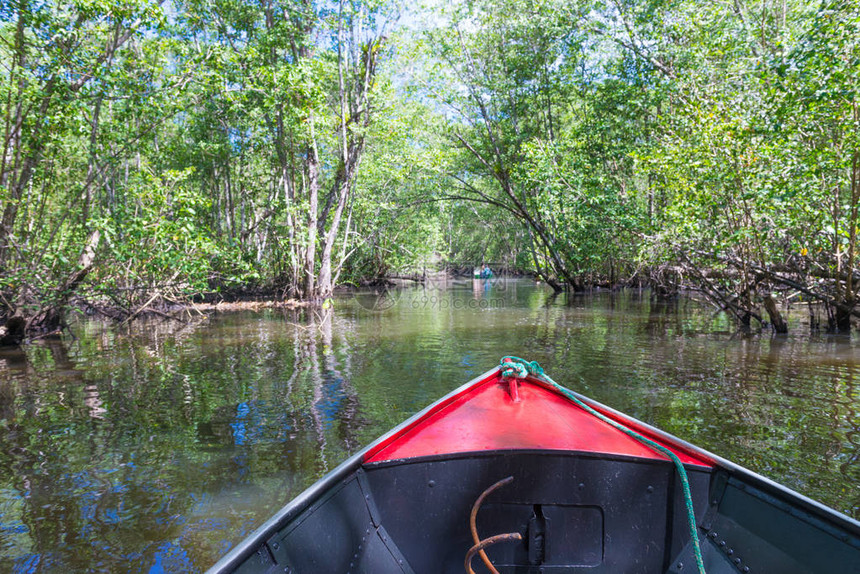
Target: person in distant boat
(486, 272)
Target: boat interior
(561, 512)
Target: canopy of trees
(154, 150)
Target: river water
(156, 449)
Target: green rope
(520, 368)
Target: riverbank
(763, 314)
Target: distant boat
(525, 476)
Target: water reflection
(157, 448)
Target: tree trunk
(776, 319)
(842, 319)
(52, 318)
(324, 285)
(313, 168)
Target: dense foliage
(156, 150)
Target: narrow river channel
(156, 450)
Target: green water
(156, 450)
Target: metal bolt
(746, 569)
(712, 534)
(722, 543)
(431, 484)
(737, 561)
(650, 489)
(680, 565)
(581, 485)
(275, 546)
(730, 551)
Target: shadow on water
(157, 448)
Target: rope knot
(520, 368)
